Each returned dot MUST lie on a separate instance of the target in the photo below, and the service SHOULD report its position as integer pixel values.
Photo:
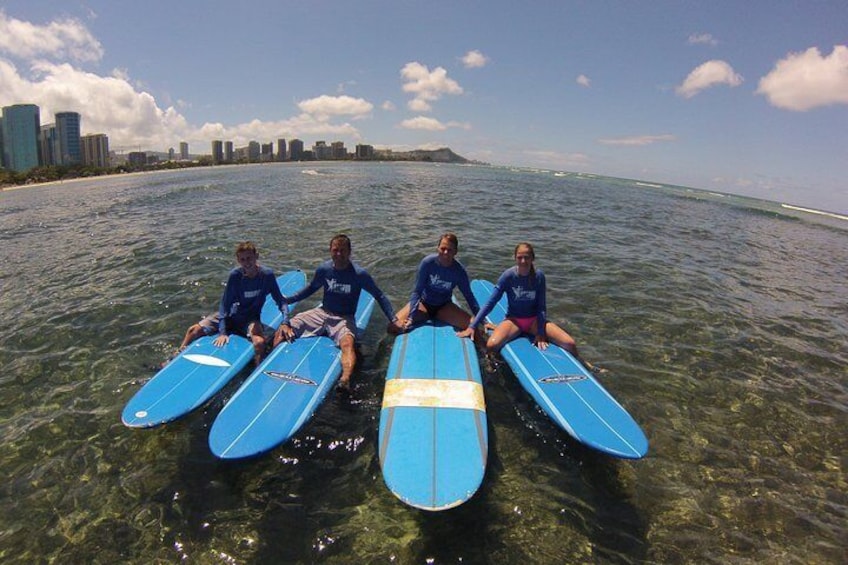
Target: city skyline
(750, 99)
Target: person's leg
(206, 326)
(560, 337)
(505, 332)
(452, 314)
(347, 345)
(256, 331)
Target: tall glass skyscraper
(21, 125)
(68, 150)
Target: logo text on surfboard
(559, 379)
(291, 377)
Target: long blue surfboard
(281, 394)
(433, 440)
(567, 392)
(201, 369)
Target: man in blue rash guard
(438, 274)
(525, 288)
(342, 281)
(248, 285)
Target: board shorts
(210, 325)
(318, 321)
(524, 324)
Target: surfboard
(566, 391)
(281, 394)
(201, 369)
(433, 440)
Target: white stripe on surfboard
(207, 360)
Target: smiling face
(524, 256)
(247, 261)
(340, 252)
(447, 251)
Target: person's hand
(467, 332)
(283, 333)
(222, 340)
(541, 343)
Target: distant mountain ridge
(443, 155)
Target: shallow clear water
(722, 324)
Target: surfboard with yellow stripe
(433, 441)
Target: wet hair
(246, 246)
(451, 237)
(342, 239)
(532, 258)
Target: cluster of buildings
(26, 144)
(293, 150)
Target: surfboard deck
(568, 392)
(281, 394)
(201, 369)
(433, 439)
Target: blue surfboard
(201, 369)
(433, 440)
(567, 392)
(281, 394)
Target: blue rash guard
(434, 284)
(342, 289)
(244, 297)
(524, 300)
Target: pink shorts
(524, 324)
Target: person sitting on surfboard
(525, 288)
(431, 298)
(342, 281)
(248, 285)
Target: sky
(748, 98)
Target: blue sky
(744, 97)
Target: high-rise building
(267, 152)
(2, 158)
(67, 149)
(281, 149)
(296, 150)
(47, 144)
(21, 124)
(184, 151)
(338, 150)
(217, 152)
(95, 150)
(228, 151)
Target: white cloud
(422, 122)
(702, 39)
(638, 140)
(583, 80)
(555, 159)
(803, 81)
(324, 107)
(426, 86)
(474, 60)
(388, 106)
(707, 75)
(61, 39)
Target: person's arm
(310, 289)
(383, 300)
(418, 289)
(465, 289)
(541, 304)
(277, 295)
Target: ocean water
(721, 323)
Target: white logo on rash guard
(436, 282)
(520, 294)
(252, 293)
(334, 286)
